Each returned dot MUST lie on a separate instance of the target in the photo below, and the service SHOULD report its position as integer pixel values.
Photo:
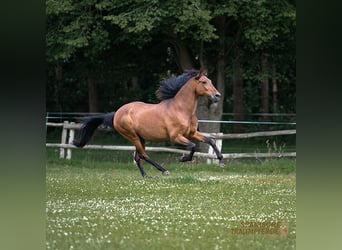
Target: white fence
(68, 134)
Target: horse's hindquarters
(138, 119)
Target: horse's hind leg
(141, 154)
(139, 163)
(156, 165)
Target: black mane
(168, 88)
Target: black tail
(89, 126)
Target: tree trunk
(238, 105)
(221, 87)
(274, 89)
(57, 86)
(135, 83)
(93, 96)
(205, 109)
(183, 60)
(264, 86)
(212, 111)
(202, 58)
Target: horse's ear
(202, 72)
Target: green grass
(105, 204)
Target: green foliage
(266, 21)
(73, 26)
(116, 40)
(144, 18)
(194, 20)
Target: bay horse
(173, 119)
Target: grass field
(94, 203)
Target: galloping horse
(173, 119)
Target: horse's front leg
(212, 143)
(181, 139)
(199, 137)
(190, 155)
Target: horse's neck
(186, 99)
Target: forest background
(103, 54)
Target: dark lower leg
(153, 163)
(156, 165)
(139, 163)
(191, 154)
(211, 142)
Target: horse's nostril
(216, 97)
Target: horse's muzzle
(215, 98)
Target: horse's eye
(203, 82)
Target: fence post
(71, 138)
(218, 143)
(63, 139)
(46, 121)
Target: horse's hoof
(166, 173)
(222, 165)
(185, 158)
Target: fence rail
(68, 134)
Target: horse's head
(204, 87)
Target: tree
(105, 44)
(269, 35)
(76, 34)
(182, 24)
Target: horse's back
(137, 109)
